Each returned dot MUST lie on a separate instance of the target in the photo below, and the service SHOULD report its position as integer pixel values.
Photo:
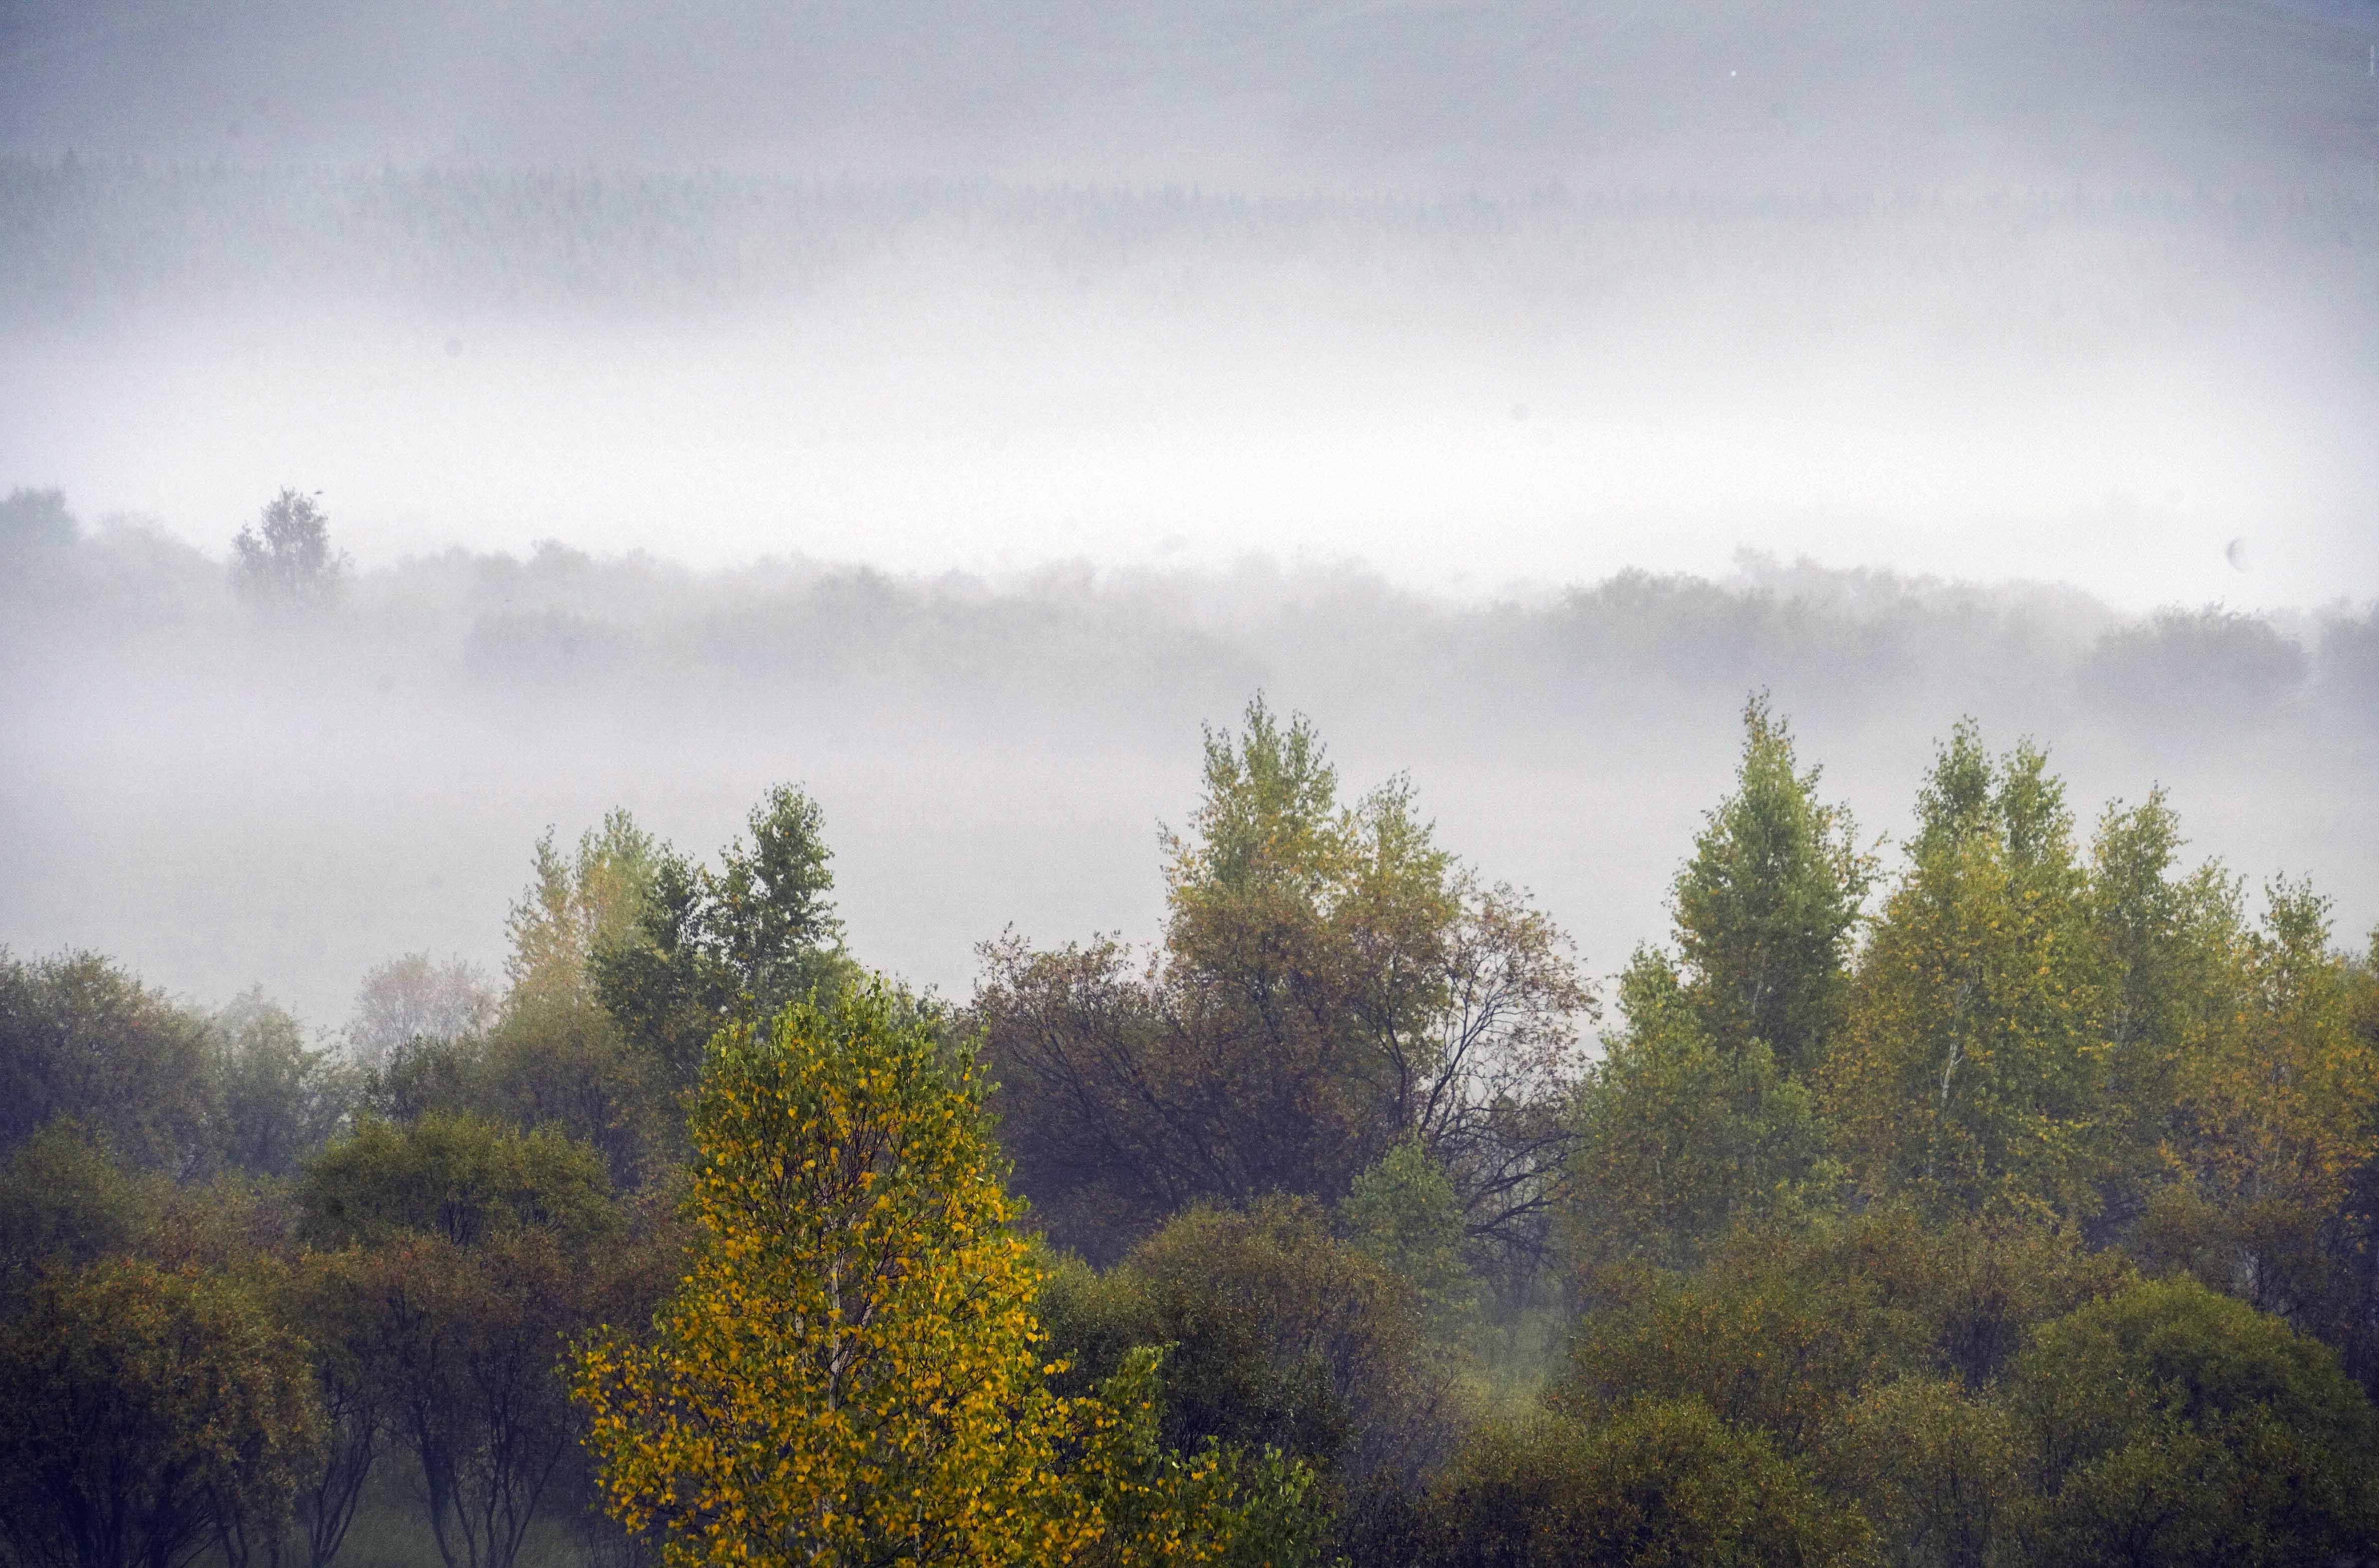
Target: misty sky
(1472, 303)
(1478, 295)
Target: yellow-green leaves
(1970, 1075)
(850, 1374)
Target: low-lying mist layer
(221, 790)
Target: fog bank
(222, 796)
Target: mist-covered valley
(227, 794)
(1406, 784)
(968, 502)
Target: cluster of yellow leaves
(851, 1373)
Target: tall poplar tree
(1700, 1115)
(1769, 906)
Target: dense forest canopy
(2002, 1194)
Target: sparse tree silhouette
(286, 554)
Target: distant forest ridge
(1860, 645)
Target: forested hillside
(2005, 1194)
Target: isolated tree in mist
(33, 521)
(286, 554)
(412, 998)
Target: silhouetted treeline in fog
(567, 626)
(2009, 1196)
(374, 742)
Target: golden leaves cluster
(850, 1373)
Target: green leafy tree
(738, 943)
(1330, 983)
(1280, 1335)
(581, 905)
(557, 1057)
(466, 1341)
(328, 1297)
(426, 1075)
(2273, 1136)
(460, 1178)
(1789, 1325)
(1768, 907)
(2168, 943)
(1700, 1116)
(155, 1415)
(2170, 1425)
(82, 1038)
(1973, 1071)
(1656, 1485)
(2279, 1106)
(1405, 1216)
(1783, 1351)
(478, 1251)
(278, 1099)
(1934, 1466)
(1681, 1139)
(64, 1205)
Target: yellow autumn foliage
(850, 1373)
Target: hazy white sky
(2099, 301)
(1021, 434)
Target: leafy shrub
(2174, 1426)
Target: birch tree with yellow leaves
(851, 1373)
(1969, 1076)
